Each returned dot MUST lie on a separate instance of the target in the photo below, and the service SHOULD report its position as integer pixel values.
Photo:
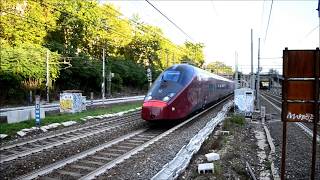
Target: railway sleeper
(82, 167)
(73, 174)
(110, 154)
(91, 162)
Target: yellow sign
(66, 104)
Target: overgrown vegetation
(11, 129)
(235, 120)
(72, 36)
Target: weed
(218, 170)
(237, 119)
(267, 164)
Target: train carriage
(182, 89)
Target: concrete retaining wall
(22, 115)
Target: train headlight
(168, 97)
(148, 98)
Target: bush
(237, 119)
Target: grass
(237, 119)
(11, 129)
(233, 121)
(218, 169)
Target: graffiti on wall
(72, 102)
(65, 102)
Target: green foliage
(25, 22)
(219, 68)
(194, 53)
(28, 61)
(237, 119)
(84, 74)
(131, 74)
(75, 32)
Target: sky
(224, 27)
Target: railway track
(91, 163)
(18, 150)
(97, 160)
(275, 101)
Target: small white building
(244, 101)
(72, 102)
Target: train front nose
(153, 110)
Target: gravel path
(299, 147)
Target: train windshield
(171, 76)
(170, 83)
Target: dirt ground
(235, 149)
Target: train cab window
(171, 76)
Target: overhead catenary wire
(170, 20)
(110, 29)
(141, 28)
(265, 37)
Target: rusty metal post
(283, 115)
(316, 114)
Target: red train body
(181, 90)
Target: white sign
(302, 117)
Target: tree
(194, 53)
(28, 61)
(25, 22)
(144, 47)
(219, 68)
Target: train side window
(221, 86)
(211, 87)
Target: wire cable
(265, 37)
(170, 20)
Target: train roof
(196, 69)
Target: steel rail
(308, 131)
(107, 166)
(61, 142)
(48, 169)
(276, 96)
(107, 121)
(76, 157)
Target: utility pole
(258, 80)
(167, 57)
(236, 69)
(173, 60)
(319, 19)
(252, 74)
(109, 77)
(103, 75)
(109, 80)
(47, 83)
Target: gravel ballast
(299, 147)
(147, 163)
(13, 169)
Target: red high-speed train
(182, 89)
